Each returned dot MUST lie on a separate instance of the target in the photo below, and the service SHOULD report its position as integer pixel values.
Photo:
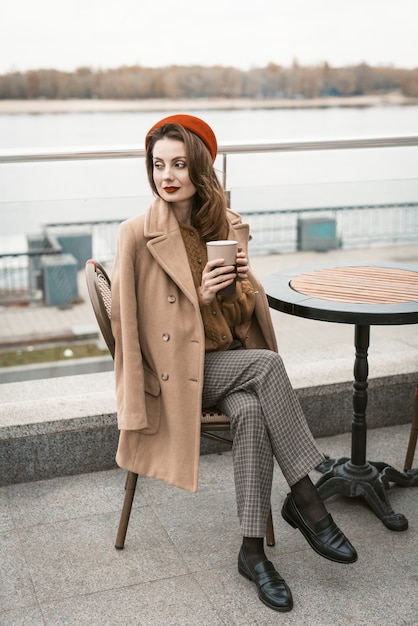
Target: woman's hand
(242, 264)
(215, 277)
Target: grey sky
(109, 33)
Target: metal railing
(272, 232)
(355, 226)
(130, 152)
(21, 277)
(275, 232)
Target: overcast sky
(66, 34)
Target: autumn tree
(195, 81)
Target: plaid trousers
(267, 421)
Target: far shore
(10, 107)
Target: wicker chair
(212, 422)
(413, 435)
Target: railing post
(224, 158)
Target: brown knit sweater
(223, 313)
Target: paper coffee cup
(224, 249)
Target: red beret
(195, 125)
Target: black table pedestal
(357, 477)
(371, 482)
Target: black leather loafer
(272, 589)
(327, 539)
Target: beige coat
(160, 346)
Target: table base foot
(370, 482)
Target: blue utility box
(317, 233)
(59, 273)
(78, 244)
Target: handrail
(125, 152)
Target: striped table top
(359, 284)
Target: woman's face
(170, 171)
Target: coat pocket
(152, 402)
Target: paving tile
(71, 497)
(78, 556)
(16, 588)
(237, 597)
(178, 601)
(6, 519)
(31, 616)
(204, 530)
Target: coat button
(166, 337)
(223, 337)
(214, 312)
(164, 376)
(200, 261)
(171, 299)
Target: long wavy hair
(209, 202)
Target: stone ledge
(67, 426)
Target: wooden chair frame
(212, 422)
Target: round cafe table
(362, 295)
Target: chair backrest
(99, 288)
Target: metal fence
(358, 226)
(20, 277)
(272, 232)
(276, 232)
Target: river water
(33, 194)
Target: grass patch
(30, 356)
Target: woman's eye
(180, 165)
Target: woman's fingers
(215, 277)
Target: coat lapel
(167, 247)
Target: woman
(181, 346)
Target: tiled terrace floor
(59, 566)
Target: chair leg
(270, 539)
(130, 487)
(413, 436)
